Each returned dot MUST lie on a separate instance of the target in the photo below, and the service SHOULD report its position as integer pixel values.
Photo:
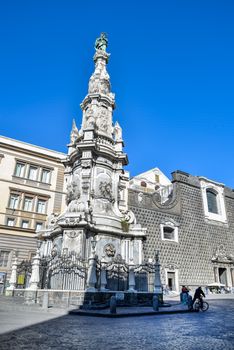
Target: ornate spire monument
(97, 211)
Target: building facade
(193, 229)
(32, 188)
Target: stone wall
(198, 239)
(69, 298)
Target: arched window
(143, 184)
(212, 201)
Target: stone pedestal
(92, 277)
(157, 278)
(35, 277)
(103, 279)
(13, 279)
(131, 279)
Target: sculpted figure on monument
(89, 118)
(117, 132)
(72, 191)
(105, 189)
(101, 42)
(57, 246)
(51, 220)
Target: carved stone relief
(89, 118)
(129, 217)
(57, 246)
(110, 250)
(73, 233)
(105, 189)
(73, 192)
(221, 254)
(104, 120)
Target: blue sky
(171, 67)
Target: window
(32, 173)
(41, 206)
(169, 230)
(25, 224)
(10, 222)
(28, 201)
(45, 176)
(157, 178)
(38, 226)
(4, 257)
(14, 201)
(143, 184)
(168, 233)
(212, 201)
(19, 169)
(213, 197)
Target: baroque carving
(221, 254)
(73, 234)
(105, 189)
(74, 132)
(76, 206)
(117, 132)
(73, 192)
(51, 221)
(129, 217)
(89, 119)
(172, 199)
(110, 250)
(86, 163)
(104, 120)
(57, 246)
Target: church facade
(193, 228)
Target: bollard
(45, 300)
(113, 305)
(155, 302)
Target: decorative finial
(118, 132)
(101, 42)
(74, 132)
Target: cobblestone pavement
(213, 329)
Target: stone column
(229, 277)
(157, 278)
(30, 295)
(35, 277)
(103, 276)
(92, 277)
(131, 278)
(13, 278)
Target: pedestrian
(184, 295)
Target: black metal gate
(64, 272)
(117, 274)
(144, 277)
